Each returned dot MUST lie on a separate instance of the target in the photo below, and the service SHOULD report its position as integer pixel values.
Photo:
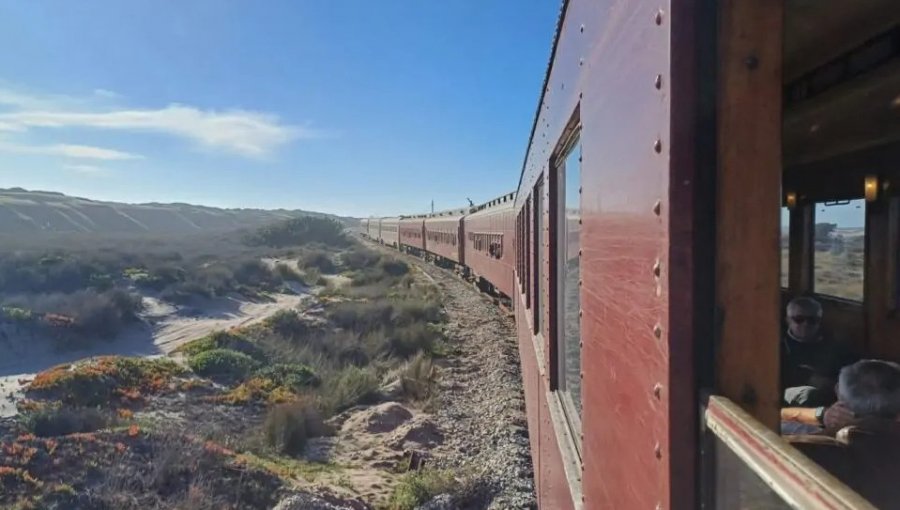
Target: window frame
(816, 203)
(570, 141)
(538, 225)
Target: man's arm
(804, 415)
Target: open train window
(568, 337)
(839, 253)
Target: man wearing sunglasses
(810, 359)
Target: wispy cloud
(87, 169)
(69, 151)
(242, 132)
(106, 93)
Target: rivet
(582, 28)
(659, 17)
(579, 252)
(657, 208)
(658, 451)
(657, 146)
(580, 312)
(657, 390)
(580, 282)
(579, 95)
(580, 61)
(656, 268)
(658, 81)
(751, 62)
(657, 331)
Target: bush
(223, 340)
(291, 375)
(223, 364)
(57, 420)
(360, 316)
(298, 231)
(288, 324)
(319, 260)
(97, 381)
(289, 425)
(359, 257)
(408, 340)
(349, 387)
(418, 377)
(417, 488)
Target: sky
(348, 107)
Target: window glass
(538, 255)
(570, 273)
(840, 249)
(785, 245)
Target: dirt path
(164, 329)
(481, 406)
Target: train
(680, 158)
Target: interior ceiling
(863, 112)
(817, 31)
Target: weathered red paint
(443, 235)
(492, 222)
(412, 232)
(605, 66)
(389, 231)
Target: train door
(807, 123)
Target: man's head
(804, 317)
(871, 388)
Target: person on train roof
(810, 358)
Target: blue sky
(342, 106)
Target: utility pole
(432, 206)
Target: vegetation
(104, 380)
(223, 364)
(419, 487)
(289, 425)
(93, 282)
(297, 231)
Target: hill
(23, 211)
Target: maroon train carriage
(373, 230)
(389, 231)
(364, 227)
(412, 233)
(443, 235)
(489, 243)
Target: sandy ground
(164, 329)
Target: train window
(785, 245)
(568, 277)
(840, 249)
(538, 213)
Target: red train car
(444, 234)
(412, 233)
(489, 243)
(389, 231)
(364, 227)
(374, 230)
(647, 250)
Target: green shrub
(349, 387)
(223, 364)
(288, 324)
(418, 377)
(291, 375)
(96, 381)
(360, 316)
(288, 426)
(223, 340)
(408, 340)
(359, 257)
(417, 488)
(319, 260)
(57, 420)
